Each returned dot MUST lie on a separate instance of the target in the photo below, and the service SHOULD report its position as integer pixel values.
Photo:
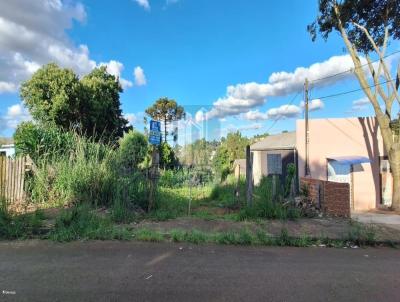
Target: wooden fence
(12, 178)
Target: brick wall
(332, 197)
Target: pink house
(348, 150)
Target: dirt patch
(331, 228)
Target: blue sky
(188, 50)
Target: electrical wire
(352, 69)
(351, 91)
(280, 117)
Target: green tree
(367, 26)
(102, 107)
(53, 96)
(168, 159)
(165, 110)
(231, 148)
(56, 97)
(133, 148)
(38, 141)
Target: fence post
(249, 176)
(153, 177)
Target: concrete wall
(343, 137)
(260, 168)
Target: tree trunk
(394, 160)
(391, 144)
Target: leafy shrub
(133, 148)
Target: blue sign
(155, 132)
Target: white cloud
(255, 115)
(362, 101)
(143, 3)
(241, 98)
(7, 87)
(115, 68)
(284, 111)
(135, 118)
(131, 117)
(360, 104)
(234, 128)
(33, 33)
(313, 105)
(140, 77)
(16, 114)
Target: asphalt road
(131, 271)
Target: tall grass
(229, 193)
(79, 222)
(13, 226)
(268, 203)
(88, 173)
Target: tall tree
(165, 110)
(102, 114)
(56, 96)
(366, 27)
(53, 96)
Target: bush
(133, 148)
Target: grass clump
(360, 234)
(225, 238)
(22, 226)
(80, 222)
(148, 235)
(192, 236)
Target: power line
(280, 117)
(351, 91)
(352, 69)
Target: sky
(239, 65)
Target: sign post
(154, 139)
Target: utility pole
(307, 131)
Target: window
(274, 164)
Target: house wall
(343, 137)
(240, 170)
(260, 168)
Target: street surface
(134, 271)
